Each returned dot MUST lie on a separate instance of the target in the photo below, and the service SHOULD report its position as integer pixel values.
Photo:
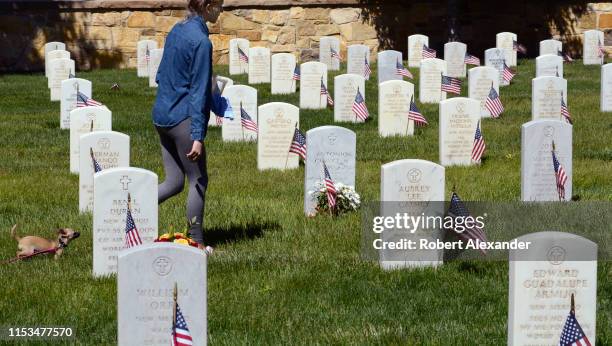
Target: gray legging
(175, 144)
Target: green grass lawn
(279, 277)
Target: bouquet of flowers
(176, 237)
(347, 199)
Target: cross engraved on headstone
(162, 265)
(556, 255)
(125, 181)
(414, 175)
(332, 138)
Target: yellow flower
(179, 235)
(164, 236)
(182, 241)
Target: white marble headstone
(494, 57)
(480, 79)
(357, 55)
(156, 58)
(110, 149)
(259, 65)
(411, 181)
(430, 80)
(504, 40)
(232, 130)
(590, 54)
(459, 118)
(345, 91)
(68, 100)
(49, 47)
(337, 147)
(283, 66)
(415, 49)
(454, 55)
(111, 188)
(541, 282)
(51, 55)
(142, 67)
(237, 66)
(606, 88)
(277, 123)
(393, 105)
(326, 44)
(222, 83)
(550, 47)
(145, 286)
(546, 97)
(538, 182)
(81, 120)
(59, 70)
(387, 65)
(549, 65)
(310, 85)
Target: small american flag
(471, 59)
(84, 101)
(242, 56)
(479, 145)
(96, 165)
(451, 84)
(415, 115)
(246, 120)
(565, 112)
(334, 54)
(296, 73)
(519, 47)
(400, 70)
(493, 103)
(367, 71)
(601, 49)
(572, 334)
(507, 73)
(330, 188)
(457, 209)
(359, 107)
(324, 91)
(180, 331)
(566, 57)
(560, 176)
(298, 145)
(428, 52)
(132, 237)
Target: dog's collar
(62, 244)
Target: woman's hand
(196, 151)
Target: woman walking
(182, 109)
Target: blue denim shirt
(184, 78)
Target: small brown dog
(31, 244)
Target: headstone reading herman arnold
(84, 120)
(542, 281)
(145, 293)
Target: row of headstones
(540, 290)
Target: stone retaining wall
(103, 33)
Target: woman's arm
(201, 77)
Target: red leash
(36, 253)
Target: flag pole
(129, 201)
(91, 126)
(91, 154)
(408, 123)
(327, 91)
(572, 305)
(289, 149)
(174, 297)
(354, 103)
(241, 126)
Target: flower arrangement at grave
(177, 237)
(347, 199)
